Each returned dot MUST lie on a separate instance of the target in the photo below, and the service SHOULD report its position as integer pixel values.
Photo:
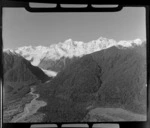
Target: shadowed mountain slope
(56, 65)
(114, 77)
(18, 75)
(123, 75)
(18, 69)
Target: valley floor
(25, 111)
(112, 114)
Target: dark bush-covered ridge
(123, 75)
(109, 78)
(19, 74)
(16, 68)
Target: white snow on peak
(138, 41)
(70, 48)
(8, 50)
(130, 43)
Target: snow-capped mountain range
(69, 48)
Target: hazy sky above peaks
(22, 28)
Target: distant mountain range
(57, 56)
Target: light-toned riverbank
(30, 110)
(113, 114)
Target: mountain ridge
(69, 49)
(19, 74)
(113, 78)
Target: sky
(23, 28)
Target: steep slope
(114, 77)
(112, 70)
(123, 76)
(56, 65)
(19, 74)
(16, 68)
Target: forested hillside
(18, 74)
(114, 77)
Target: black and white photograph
(74, 67)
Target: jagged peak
(8, 51)
(130, 43)
(69, 42)
(138, 41)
